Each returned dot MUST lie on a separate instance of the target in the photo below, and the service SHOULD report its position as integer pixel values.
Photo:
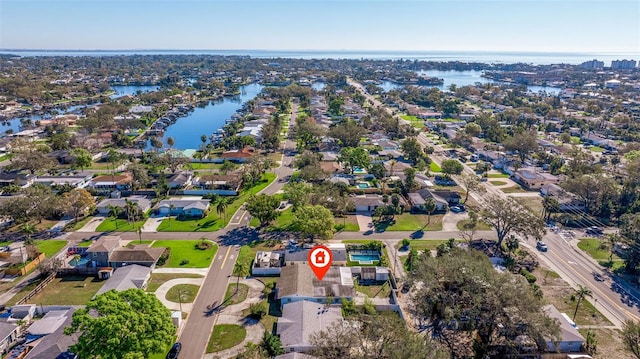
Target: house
(532, 179)
(239, 156)
(103, 207)
(570, 339)
(183, 207)
(267, 263)
(106, 252)
(74, 181)
(180, 179)
(300, 320)
(371, 275)
(297, 282)
(127, 277)
(300, 255)
(271, 263)
(100, 251)
(109, 183)
(393, 166)
(9, 333)
(417, 203)
(15, 178)
(367, 203)
(50, 340)
(229, 182)
(387, 145)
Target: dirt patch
(609, 344)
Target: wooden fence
(37, 289)
(27, 268)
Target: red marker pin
(320, 258)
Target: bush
(405, 243)
(530, 277)
(164, 257)
(203, 245)
(258, 310)
(184, 262)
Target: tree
(522, 142)
(507, 217)
(430, 206)
(114, 211)
(354, 157)
(412, 149)
(549, 206)
(410, 179)
(170, 141)
(348, 133)
(221, 208)
(382, 335)
(631, 337)
(298, 194)
(264, 208)
(470, 226)
(131, 209)
(590, 342)
(581, 293)
(598, 192)
(470, 182)
(314, 221)
(83, 158)
(139, 175)
(271, 343)
(474, 310)
(77, 201)
(451, 167)
(121, 324)
(30, 157)
(239, 270)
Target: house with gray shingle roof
(184, 207)
(297, 282)
(300, 320)
(127, 277)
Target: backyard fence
(37, 289)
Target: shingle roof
(136, 255)
(127, 277)
(567, 332)
(297, 280)
(182, 203)
(105, 244)
(6, 329)
(56, 343)
(303, 318)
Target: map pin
(320, 258)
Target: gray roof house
(297, 282)
(570, 338)
(367, 203)
(8, 335)
(180, 179)
(186, 207)
(300, 320)
(127, 277)
(53, 342)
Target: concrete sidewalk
(93, 224)
(161, 293)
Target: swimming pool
(80, 263)
(358, 170)
(364, 258)
(363, 185)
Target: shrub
(184, 262)
(530, 277)
(164, 257)
(258, 310)
(405, 243)
(203, 245)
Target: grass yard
(513, 189)
(426, 244)
(596, 149)
(213, 222)
(433, 167)
(5, 243)
(180, 250)
(225, 336)
(534, 204)
(599, 251)
(412, 222)
(109, 225)
(69, 290)
(347, 224)
(375, 291)
(188, 291)
(481, 226)
(498, 183)
(50, 247)
(81, 223)
(136, 242)
(158, 279)
(203, 166)
(248, 252)
(561, 297)
(284, 221)
(498, 175)
(234, 297)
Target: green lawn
(85, 243)
(69, 290)
(480, 227)
(213, 222)
(599, 251)
(188, 292)
(81, 222)
(498, 175)
(284, 221)
(157, 279)
(50, 247)
(347, 224)
(5, 243)
(575, 140)
(225, 336)
(138, 242)
(433, 167)
(425, 244)
(375, 291)
(203, 166)
(234, 297)
(109, 225)
(413, 222)
(4, 157)
(498, 183)
(180, 250)
(513, 189)
(596, 149)
(415, 121)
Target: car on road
(175, 350)
(594, 231)
(542, 247)
(598, 277)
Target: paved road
(199, 325)
(612, 296)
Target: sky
(351, 25)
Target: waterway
(187, 130)
(131, 90)
(465, 78)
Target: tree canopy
(314, 221)
(451, 167)
(353, 157)
(507, 217)
(263, 207)
(126, 324)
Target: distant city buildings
(623, 64)
(593, 64)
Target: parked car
(175, 350)
(594, 230)
(542, 247)
(456, 209)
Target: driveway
(152, 224)
(365, 222)
(93, 224)
(450, 220)
(161, 293)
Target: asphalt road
(197, 330)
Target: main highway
(612, 296)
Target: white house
(103, 207)
(570, 339)
(183, 207)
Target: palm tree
(140, 234)
(581, 293)
(392, 164)
(28, 229)
(239, 270)
(131, 208)
(429, 206)
(76, 257)
(114, 211)
(171, 208)
(221, 208)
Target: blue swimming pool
(364, 258)
(80, 263)
(363, 185)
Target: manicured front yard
(481, 226)
(109, 225)
(413, 222)
(50, 247)
(599, 251)
(235, 296)
(347, 224)
(425, 244)
(180, 250)
(225, 336)
(157, 279)
(513, 189)
(498, 175)
(81, 223)
(69, 290)
(498, 183)
(182, 292)
(433, 167)
(596, 149)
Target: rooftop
(303, 318)
(297, 280)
